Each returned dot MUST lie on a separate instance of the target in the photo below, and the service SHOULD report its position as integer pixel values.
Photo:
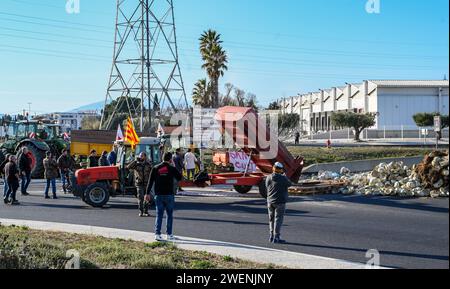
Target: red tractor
(95, 186)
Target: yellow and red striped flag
(131, 135)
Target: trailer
(82, 142)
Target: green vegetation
(215, 61)
(288, 121)
(23, 248)
(427, 119)
(274, 106)
(118, 111)
(358, 121)
(315, 155)
(90, 123)
(201, 93)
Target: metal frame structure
(145, 62)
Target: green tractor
(38, 137)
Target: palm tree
(215, 66)
(215, 61)
(201, 93)
(209, 39)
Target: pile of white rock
(393, 179)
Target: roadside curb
(287, 259)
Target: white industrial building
(71, 120)
(394, 101)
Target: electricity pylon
(145, 62)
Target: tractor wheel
(243, 189)
(97, 195)
(263, 189)
(37, 160)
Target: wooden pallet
(316, 187)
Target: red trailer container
(253, 136)
(244, 123)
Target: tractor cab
(148, 145)
(33, 129)
(126, 155)
(96, 185)
(21, 129)
(38, 137)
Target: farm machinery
(39, 137)
(96, 185)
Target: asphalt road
(408, 233)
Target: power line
(235, 70)
(247, 58)
(55, 20)
(240, 29)
(55, 41)
(53, 51)
(52, 25)
(97, 12)
(263, 47)
(56, 34)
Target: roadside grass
(317, 155)
(23, 248)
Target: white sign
(437, 123)
(240, 160)
(206, 129)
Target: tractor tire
(38, 156)
(97, 195)
(263, 189)
(243, 189)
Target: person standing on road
(12, 178)
(51, 174)
(162, 178)
(92, 160)
(190, 161)
(142, 169)
(178, 162)
(65, 165)
(25, 163)
(297, 138)
(103, 161)
(277, 197)
(3, 175)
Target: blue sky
(59, 61)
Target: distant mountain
(89, 107)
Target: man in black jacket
(162, 178)
(25, 163)
(12, 177)
(65, 165)
(103, 161)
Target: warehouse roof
(411, 83)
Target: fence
(385, 132)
